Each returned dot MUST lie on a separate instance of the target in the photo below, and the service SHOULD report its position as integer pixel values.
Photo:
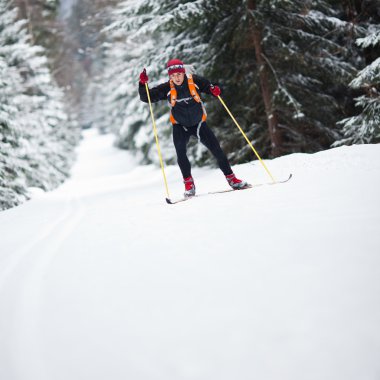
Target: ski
(172, 202)
(251, 186)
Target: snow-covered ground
(101, 279)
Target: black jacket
(186, 111)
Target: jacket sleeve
(157, 93)
(203, 84)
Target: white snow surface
(101, 279)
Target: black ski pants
(181, 137)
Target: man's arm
(202, 83)
(206, 86)
(156, 93)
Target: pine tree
(12, 181)
(36, 138)
(81, 58)
(294, 61)
(364, 128)
(42, 25)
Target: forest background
(299, 76)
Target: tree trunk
(274, 133)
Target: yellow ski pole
(157, 143)
(245, 136)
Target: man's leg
(180, 140)
(209, 140)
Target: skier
(188, 117)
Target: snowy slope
(101, 279)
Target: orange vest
(193, 93)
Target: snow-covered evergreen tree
(294, 59)
(36, 137)
(12, 182)
(365, 127)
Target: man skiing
(188, 117)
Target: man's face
(177, 78)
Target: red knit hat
(175, 66)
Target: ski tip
(287, 179)
(169, 201)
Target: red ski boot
(235, 183)
(189, 187)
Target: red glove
(143, 77)
(215, 90)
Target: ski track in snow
(59, 228)
(25, 272)
(102, 279)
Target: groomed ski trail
(102, 279)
